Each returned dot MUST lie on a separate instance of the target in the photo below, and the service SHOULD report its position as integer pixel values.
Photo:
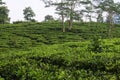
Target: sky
(16, 9)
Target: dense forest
(80, 45)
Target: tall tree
(28, 14)
(111, 8)
(73, 6)
(3, 13)
(67, 6)
(62, 11)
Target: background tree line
(78, 9)
(72, 10)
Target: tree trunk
(110, 24)
(63, 27)
(70, 23)
(71, 16)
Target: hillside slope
(41, 51)
(32, 34)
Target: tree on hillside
(66, 8)
(3, 13)
(71, 4)
(28, 14)
(61, 10)
(49, 18)
(74, 6)
(111, 8)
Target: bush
(19, 42)
(96, 45)
(17, 22)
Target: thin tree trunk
(71, 17)
(71, 23)
(110, 24)
(63, 27)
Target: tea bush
(40, 51)
(96, 45)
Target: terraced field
(40, 51)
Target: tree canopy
(49, 18)
(3, 13)
(28, 14)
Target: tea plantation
(41, 51)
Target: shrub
(96, 45)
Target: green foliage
(40, 51)
(4, 15)
(59, 61)
(19, 42)
(96, 45)
(28, 14)
(18, 22)
(49, 18)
